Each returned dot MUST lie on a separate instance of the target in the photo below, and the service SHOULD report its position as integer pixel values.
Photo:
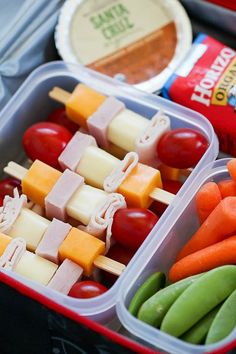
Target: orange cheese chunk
(4, 242)
(38, 181)
(139, 184)
(81, 248)
(82, 103)
(169, 173)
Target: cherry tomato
(87, 289)
(7, 185)
(45, 141)
(130, 227)
(169, 186)
(59, 116)
(181, 148)
(1, 201)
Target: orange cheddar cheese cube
(168, 172)
(81, 248)
(4, 242)
(139, 184)
(82, 103)
(38, 181)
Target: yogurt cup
(139, 42)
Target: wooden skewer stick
(59, 95)
(15, 170)
(109, 265)
(19, 172)
(162, 196)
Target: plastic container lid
(140, 42)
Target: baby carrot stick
(207, 198)
(231, 165)
(214, 256)
(227, 188)
(220, 224)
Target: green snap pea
(155, 282)
(224, 322)
(198, 299)
(198, 333)
(154, 309)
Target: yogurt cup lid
(139, 42)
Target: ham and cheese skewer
(14, 256)
(102, 170)
(43, 184)
(59, 243)
(65, 194)
(111, 123)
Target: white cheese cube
(36, 268)
(125, 128)
(95, 165)
(84, 202)
(31, 227)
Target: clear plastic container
(159, 255)
(31, 104)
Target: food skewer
(55, 240)
(102, 170)
(119, 129)
(65, 195)
(15, 257)
(111, 123)
(139, 194)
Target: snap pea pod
(154, 283)
(224, 322)
(198, 333)
(154, 309)
(198, 299)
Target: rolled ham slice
(146, 143)
(101, 220)
(60, 194)
(11, 209)
(13, 253)
(118, 175)
(99, 121)
(52, 239)
(66, 275)
(74, 150)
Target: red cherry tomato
(130, 227)
(7, 185)
(1, 201)
(169, 186)
(181, 148)
(45, 141)
(87, 289)
(59, 116)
